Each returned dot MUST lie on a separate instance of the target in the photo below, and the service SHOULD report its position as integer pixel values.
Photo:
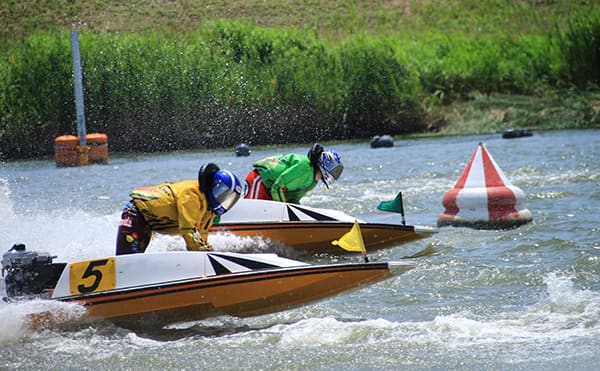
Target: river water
(526, 298)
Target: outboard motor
(29, 273)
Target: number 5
(92, 275)
(91, 272)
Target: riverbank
(494, 113)
(349, 73)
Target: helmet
(331, 166)
(225, 191)
(314, 154)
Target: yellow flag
(352, 241)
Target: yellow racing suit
(177, 209)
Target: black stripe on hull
(313, 214)
(306, 225)
(248, 263)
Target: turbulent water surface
(526, 298)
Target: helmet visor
(331, 169)
(328, 177)
(224, 196)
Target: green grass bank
(186, 75)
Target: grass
(334, 20)
(187, 73)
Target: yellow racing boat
(167, 287)
(309, 228)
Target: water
(527, 298)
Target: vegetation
(165, 75)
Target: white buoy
(483, 198)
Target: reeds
(232, 82)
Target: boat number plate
(92, 276)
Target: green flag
(394, 205)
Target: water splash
(23, 320)
(6, 205)
(564, 315)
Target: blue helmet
(225, 191)
(331, 166)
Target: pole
(79, 107)
(402, 206)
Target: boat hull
(317, 236)
(166, 287)
(309, 228)
(241, 295)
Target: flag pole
(402, 206)
(362, 242)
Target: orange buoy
(98, 144)
(66, 150)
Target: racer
(289, 177)
(186, 208)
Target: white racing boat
(166, 287)
(309, 228)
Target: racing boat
(167, 287)
(309, 228)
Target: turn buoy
(483, 198)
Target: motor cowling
(29, 273)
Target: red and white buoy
(483, 197)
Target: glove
(195, 242)
(205, 246)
